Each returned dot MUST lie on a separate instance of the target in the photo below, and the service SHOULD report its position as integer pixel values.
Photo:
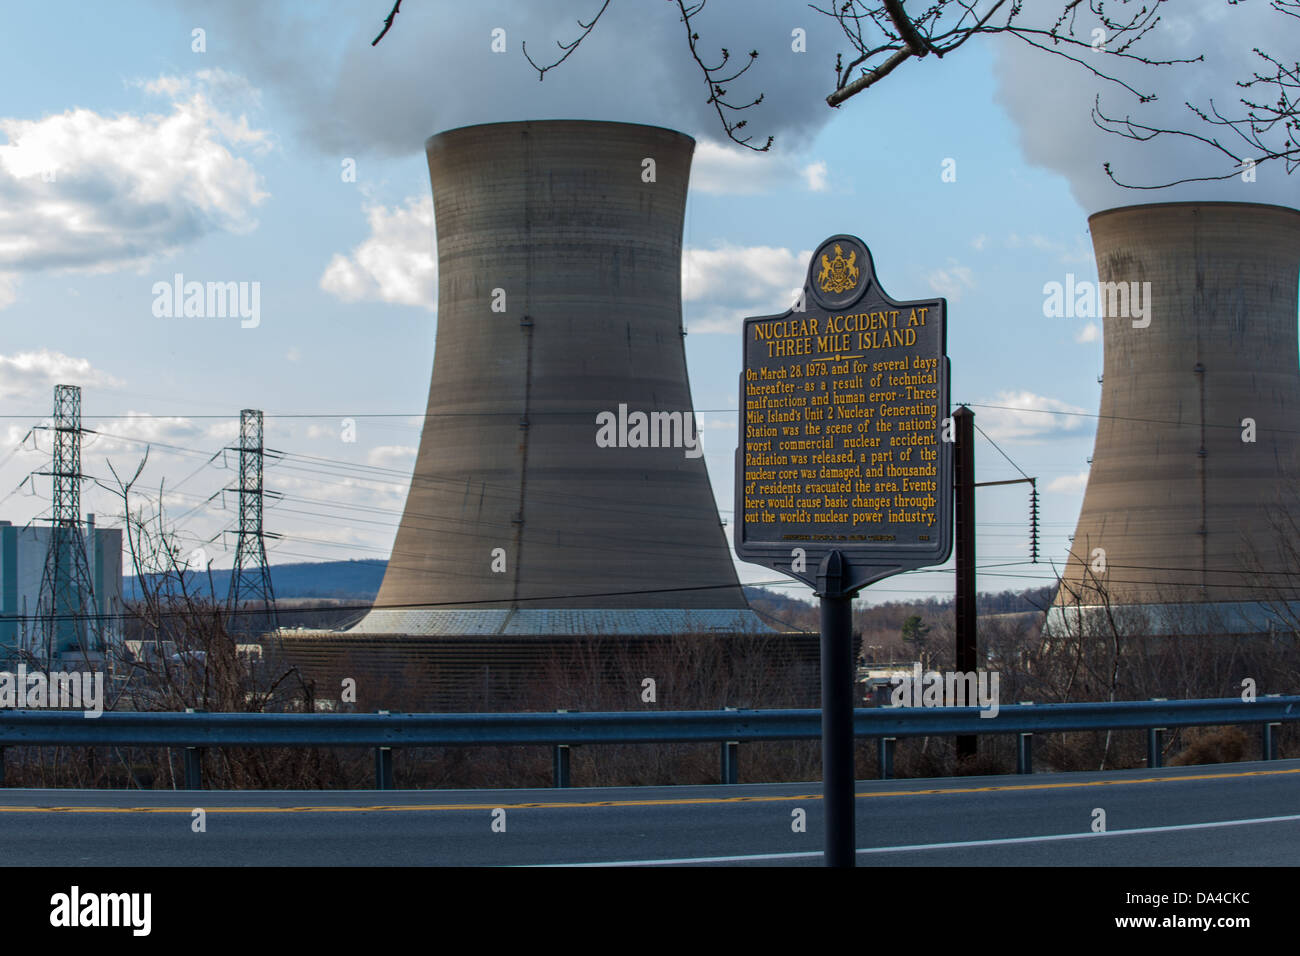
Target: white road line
(757, 857)
(694, 859)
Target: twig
(388, 23)
(568, 48)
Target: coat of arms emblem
(838, 274)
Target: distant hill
(333, 580)
(805, 613)
(357, 582)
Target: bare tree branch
(568, 48)
(1264, 132)
(714, 77)
(714, 80)
(388, 23)
(884, 36)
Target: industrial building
(1189, 519)
(23, 554)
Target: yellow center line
(682, 801)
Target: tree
(914, 631)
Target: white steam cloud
(1050, 100)
(436, 68)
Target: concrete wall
(1184, 509)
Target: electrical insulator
(1033, 522)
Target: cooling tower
(1194, 467)
(559, 308)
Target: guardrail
(387, 732)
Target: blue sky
(226, 165)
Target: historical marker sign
(842, 407)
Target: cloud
(132, 432)
(396, 263)
(727, 169)
(636, 67)
(398, 457)
(952, 281)
(224, 430)
(25, 373)
(1069, 484)
(88, 192)
(979, 242)
(1027, 417)
(1089, 333)
(1050, 100)
(725, 284)
(815, 175)
(720, 169)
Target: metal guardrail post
(560, 765)
(730, 758)
(1155, 740)
(193, 762)
(1024, 753)
(730, 761)
(383, 768)
(383, 764)
(885, 756)
(1269, 742)
(193, 769)
(1155, 745)
(1025, 747)
(560, 762)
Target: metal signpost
(843, 474)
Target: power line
(1000, 451)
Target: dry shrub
(1213, 745)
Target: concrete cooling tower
(1194, 471)
(560, 486)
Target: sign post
(843, 473)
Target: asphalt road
(1244, 814)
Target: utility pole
(967, 615)
(250, 578)
(967, 657)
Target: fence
(386, 732)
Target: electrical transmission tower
(65, 615)
(250, 579)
